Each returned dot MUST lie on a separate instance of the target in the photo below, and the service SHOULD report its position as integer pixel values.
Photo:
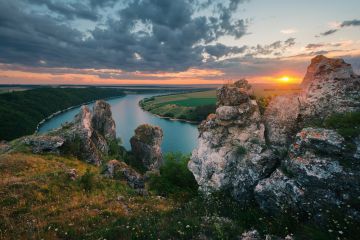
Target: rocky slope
(273, 158)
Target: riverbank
(188, 107)
(43, 121)
(21, 112)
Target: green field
(194, 106)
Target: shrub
(87, 180)
(263, 103)
(175, 177)
(241, 150)
(347, 124)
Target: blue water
(178, 136)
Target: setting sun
(284, 79)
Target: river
(178, 136)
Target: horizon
(185, 42)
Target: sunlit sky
(172, 41)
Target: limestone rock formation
(330, 86)
(86, 137)
(314, 167)
(146, 145)
(320, 174)
(121, 171)
(45, 144)
(231, 153)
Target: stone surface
(329, 86)
(231, 152)
(121, 171)
(146, 146)
(280, 119)
(45, 144)
(102, 120)
(320, 175)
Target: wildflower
(341, 232)
(330, 230)
(187, 226)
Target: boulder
(146, 146)
(231, 152)
(121, 171)
(44, 144)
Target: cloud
(220, 50)
(276, 48)
(289, 31)
(349, 23)
(138, 35)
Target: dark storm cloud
(144, 35)
(349, 23)
(68, 10)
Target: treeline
(20, 112)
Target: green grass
(194, 102)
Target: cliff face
(87, 136)
(295, 167)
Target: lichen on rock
(231, 152)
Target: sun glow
(284, 79)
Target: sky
(172, 41)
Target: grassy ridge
(20, 112)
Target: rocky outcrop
(319, 175)
(329, 86)
(45, 144)
(314, 168)
(146, 146)
(86, 137)
(121, 171)
(232, 153)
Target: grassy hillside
(196, 106)
(39, 200)
(20, 112)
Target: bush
(263, 103)
(87, 180)
(175, 177)
(241, 150)
(347, 124)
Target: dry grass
(39, 200)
